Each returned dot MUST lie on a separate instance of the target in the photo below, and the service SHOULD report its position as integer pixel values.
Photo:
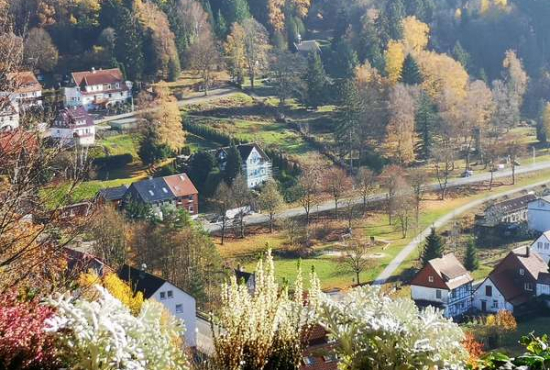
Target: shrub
(113, 161)
(23, 342)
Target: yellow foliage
(442, 74)
(395, 56)
(415, 34)
(302, 7)
(118, 289)
(276, 14)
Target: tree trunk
(223, 231)
(364, 205)
(357, 273)
(242, 225)
(336, 208)
(513, 173)
(271, 223)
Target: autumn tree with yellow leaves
(395, 57)
(415, 34)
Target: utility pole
(350, 153)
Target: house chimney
(527, 251)
(93, 70)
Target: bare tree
(513, 148)
(110, 233)
(405, 208)
(365, 183)
(355, 258)
(418, 179)
(204, 57)
(242, 198)
(444, 157)
(308, 189)
(336, 182)
(40, 51)
(223, 201)
(256, 47)
(393, 180)
(492, 153)
(270, 201)
(287, 69)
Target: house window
(431, 279)
(546, 246)
(488, 291)
(170, 294)
(495, 303)
(528, 286)
(308, 361)
(179, 308)
(438, 294)
(521, 272)
(190, 208)
(539, 245)
(162, 295)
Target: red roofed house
(73, 126)
(25, 89)
(98, 89)
(513, 282)
(444, 283)
(319, 354)
(186, 195)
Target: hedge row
(113, 161)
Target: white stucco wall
(189, 314)
(543, 289)
(538, 215)
(479, 296)
(429, 294)
(9, 121)
(66, 135)
(542, 247)
(257, 170)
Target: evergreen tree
(316, 81)
(344, 60)
(410, 74)
(471, 261)
(150, 151)
(221, 26)
(200, 166)
(425, 119)
(129, 43)
(233, 165)
(433, 248)
(236, 11)
(461, 55)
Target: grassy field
(330, 270)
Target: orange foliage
(474, 348)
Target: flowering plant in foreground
(376, 332)
(23, 342)
(104, 334)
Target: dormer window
(165, 190)
(521, 272)
(430, 279)
(151, 192)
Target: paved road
(257, 219)
(205, 340)
(409, 248)
(212, 95)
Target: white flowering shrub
(104, 334)
(262, 329)
(375, 332)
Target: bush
(113, 161)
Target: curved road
(409, 248)
(256, 219)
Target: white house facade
(443, 283)
(26, 90)
(538, 214)
(542, 246)
(73, 126)
(256, 165)
(487, 298)
(98, 89)
(9, 117)
(182, 306)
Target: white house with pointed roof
(542, 246)
(256, 165)
(443, 283)
(538, 214)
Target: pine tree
(344, 60)
(461, 55)
(316, 81)
(425, 121)
(236, 11)
(129, 43)
(471, 261)
(433, 248)
(410, 74)
(221, 26)
(233, 165)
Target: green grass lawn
(120, 144)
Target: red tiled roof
(508, 288)
(181, 185)
(101, 77)
(24, 82)
(12, 142)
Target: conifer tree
(425, 121)
(236, 11)
(471, 261)
(410, 74)
(316, 80)
(129, 43)
(461, 55)
(433, 248)
(233, 165)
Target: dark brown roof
(451, 271)
(515, 204)
(506, 285)
(101, 77)
(69, 116)
(181, 185)
(544, 278)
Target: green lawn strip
(120, 144)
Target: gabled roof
(308, 46)
(69, 116)
(98, 77)
(544, 278)
(515, 204)
(181, 185)
(140, 281)
(153, 190)
(509, 289)
(115, 193)
(531, 260)
(24, 82)
(451, 271)
(244, 151)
